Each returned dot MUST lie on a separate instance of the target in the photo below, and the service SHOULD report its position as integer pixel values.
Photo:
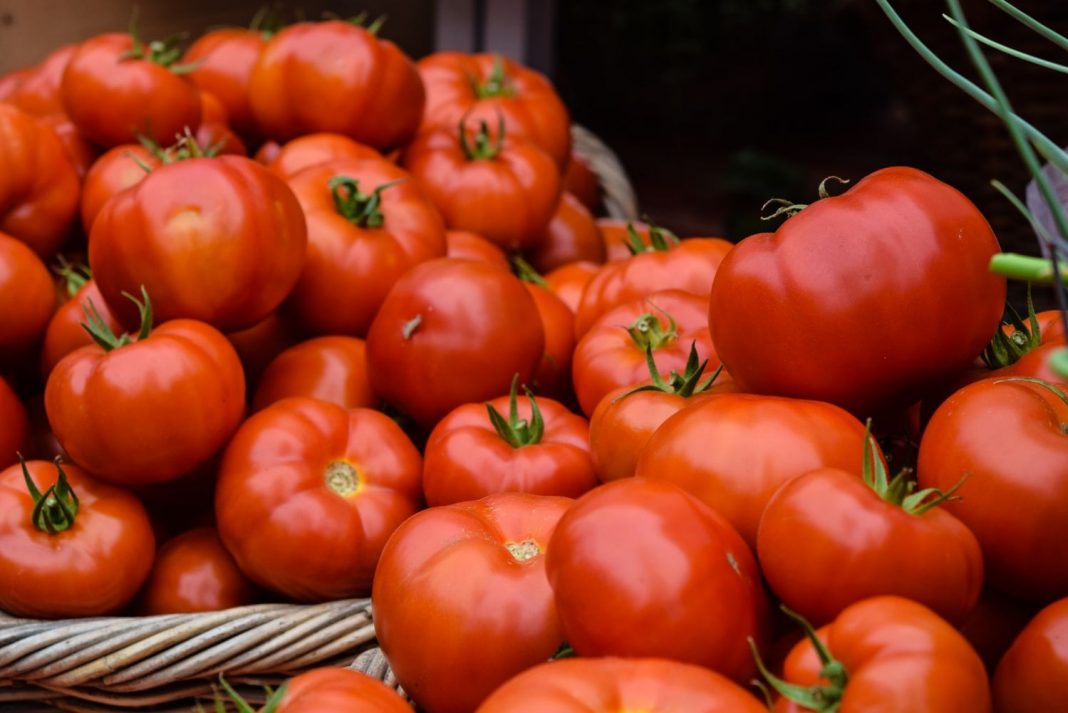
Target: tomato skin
(339, 690)
(38, 183)
(95, 567)
(317, 149)
(281, 495)
(332, 369)
(335, 76)
(900, 657)
(39, 91)
(473, 319)
(224, 60)
(116, 170)
(178, 395)
(1033, 675)
(214, 133)
(81, 153)
(471, 246)
(571, 236)
(640, 567)
(582, 182)
(733, 451)
(161, 233)
(616, 236)
(194, 573)
(26, 289)
(447, 575)
(605, 685)
(14, 424)
(988, 429)
(554, 373)
(109, 98)
(65, 333)
(568, 281)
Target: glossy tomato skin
(1033, 675)
(81, 153)
(445, 318)
(900, 658)
(116, 170)
(109, 97)
(305, 475)
(827, 540)
(553, 377)
(471, 578)
(571, 236)
(640, 567)
(733, 451)
(38, 182)
(910, 255)
(95, 567)
(568, 281)
(194, 573)
(14, 424)
(335, 76)
(330, 369)
(65, 333)
(606, 685)
(582, 182)
(27, 292)
(39, 91)
(316, 149)
(339, 690)
(472, 246)
(178, 395)
(195, 234)
(350, 267)
(222, 62)
(989, 430)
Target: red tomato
(194, 573)
(115, 171)
(330, 369)
(317, 149)
(38, 183)
(306, 476)
(987, 430)
(1021, 352)
(39, 91)
(214, 135)
(367, 225)
(9, 83)
(568, 281)
(87, 552)
(471, 578)
(900, 250)
(115, 87)
(65, 332)
(28, 294)
(582, 182)
(994, 624)
(472, 246)
(81, 153)
(640, 567)
(617, 235)
(553, 377)
(258, 345)
(1033, 675)
(485, 87)
(336, 76)
(608, 685)
(14, 425)
(337, 690)
(222, 61)
(572, 236)
(446, 318)
(195, 234)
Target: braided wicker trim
(618, 194)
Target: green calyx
(483, 148)
(361, 20)
(274, 699)
(1006, 349)
(101, 333)
(518, 432)
(361, 209)
(660, 240)
(54, 510)
(497, 84)
(686, 384)
(186, 147)
(901, 489)
(267, 21)
(648, 333)
(162, 52)
(526, 272)
(824, 698)
(74, 275)
(789, 208)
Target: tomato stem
(54, 510)
(74, 275)
(685, 384)
(101, 333)
(1024, 267)
(484, 147)
(162, 52)
(410, 326)
(648, 333)
(497, 84)
(660, 239)
(518, 432)
(820, 698)
(526, 272)
(360, 209)
(274, 698)
(1006, 349)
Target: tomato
(330, 369)
(222, 61)
(81, 153)
(994, 624)
(10, 82)
(14, 425)
(502, 187)
(572, 236)
(146, 409)
(554, 373)
(367, 225)
(900, 250)
(617, 234)
(469, 577)
(195, 234)
(38, 183)
(65, 332)
(987, 430)
(472, 246)
(258, 345)
(891, 655)
(640, 567)
(214, 134)
(116, 86)
(582, 182)
(85, 554)
(333, 690)
(1033, 675)
(485, 87)
(733, 451)
(335, 76)
(612, 354)
(307, 476)
(194, 573)
(568, 281)
(446, 318)
(28, 294)
(607, 685)
(317, 149)
(116, 170)
(39, 91)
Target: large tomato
(39, 91)
(330, 369)
(337, 690)
(568, 281)
(65, 332)
(116, 170)
(221, 62)
(466, 327)
(81, 153)
(553, 377)
(258, 345)
(875, 294)
(316, 149)
(85, 552)
(582, 182)
(1033, 675)
(14, 425)
(571, 236)
(307, 476)
(194, 573)
(472, 246)
(336, 76)
(471, 579)
(28, 296)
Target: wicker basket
(170, 663)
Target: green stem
(518, 432)
(685, 384)
(820, 698)
(74, 275)
(1021, 16)
(484, 147)
(1058, 361)
(1010, 51)
(526, 272)
(648, 333)
(102, 334)
(1025, 267)
(360, 209)
(55, 509)
(497, 84)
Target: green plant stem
(1036, 270)
(1021, 16)
(1010, 51)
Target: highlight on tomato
(330, 369)
(1032, 677)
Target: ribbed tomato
(330, 369)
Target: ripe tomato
(39, 91)
(472, 246)
(449, 317)
(194, 573)
(568, 281)
(195, 234)
(582, 182)
(330, 369)
(38, 183)
(86, 552)
(988, 429)
(258, 345)
(333, 690)
(485, 87)
(214, 135)
(14, 425)
(116, 86)
(9, 83)
(1033, 675)
(336, 76)
(553, 377)
(306, 476)
(572, 236)
(116, 170)
(367, 225)
(900, 250)
(65, 332)
(81, 153)
(29, 297)
(640, 567)
(222, 61)
(617, 234)
(317, 149)
(471, 578)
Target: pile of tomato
(577, 464)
